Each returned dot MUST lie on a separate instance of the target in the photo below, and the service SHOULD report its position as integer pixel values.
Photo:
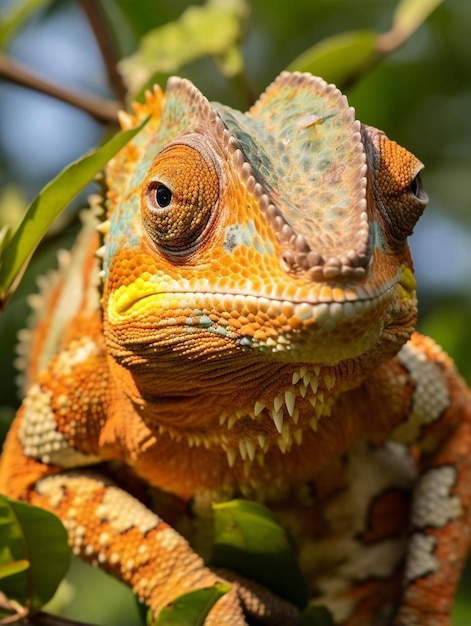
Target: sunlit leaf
(410, 14)
(338, 59)
(13, 567)
(52, 199)
(12, 19)
(249, 540)
(36, 537)
(4, 234)
(191, 609)
(213, 29)
(13, 204)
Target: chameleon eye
(163, 196)
(179, 197)
(397, 186)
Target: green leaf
(317, 616)
(14, 18)
(249, 540)
(34, 553)
(191, 609)
(213, 29)
(52, 199)
(138, 18)
(338, 59)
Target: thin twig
(106, 44)
(392, 40)
(13, 610)
(19, 615)
(100, 109)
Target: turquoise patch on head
(204, 320)
(238, 235)
(376, 236)
(232, 240)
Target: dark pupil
(163, 196)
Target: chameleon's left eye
(179, 197)
(163, 196)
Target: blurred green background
(420, 95)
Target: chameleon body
(252, 335)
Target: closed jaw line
(302, 312)
(333, 304)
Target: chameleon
(240, 323)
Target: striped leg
(113, 530)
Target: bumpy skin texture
(254, 336)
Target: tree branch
(100, 109)
(106, 44)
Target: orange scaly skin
(254, 337)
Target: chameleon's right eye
(396, 183)
(179, 197)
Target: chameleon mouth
(353, 317)
(295, 313)
(330, 304)
(320, 332)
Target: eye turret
(396, 184)
(179, 197)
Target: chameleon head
(270, 241)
